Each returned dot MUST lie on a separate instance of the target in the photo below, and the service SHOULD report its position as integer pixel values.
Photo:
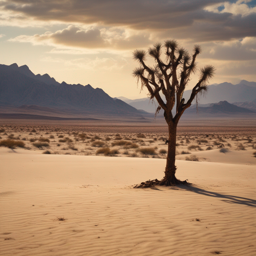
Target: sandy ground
(85, 205)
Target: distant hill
(22, 89)
(243, 92)
(220, 108)
(249, 105)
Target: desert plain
(69, 190)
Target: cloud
(235, 50)
(89, 38)
(2, 35)
(201, 20)
(96, 63)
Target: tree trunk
(170, 169)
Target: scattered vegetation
(240, 146)
(107, 151)
(162, 151)
(47, 152)
(12, 143)
(194, 147)
(185, 152)
(141, 135)
(192, 158)
(147, 151)
(40, 144)
(42, 139)
(98, 143)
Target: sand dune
(84, 205)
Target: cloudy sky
(92, 41)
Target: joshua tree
(169, 79)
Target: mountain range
(33, 96)
(20, 88)
(242, 95)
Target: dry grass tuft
(162, 151)
(40, 144)
(194, 147)
(42, 139)
(107, 151)
(12, 143)
(147, 151)
(192, 158)
(98, 143)
(141, 135)
(47, 152)
(240, 146)
(185, 152)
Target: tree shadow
(225, 198)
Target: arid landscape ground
(68, 190)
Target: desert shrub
(229, 145)
(194, 147)
(47, 152)
(2, 130)
(240, 146)
(185, 152)
(202, 141)
(220, 139)
(107, 151)
(42, 139)
(209, 148)
(133, 155)
(12, 143)
(141, 135)
(187, 141)
(162, 151)
(40, 144)
(68, 140)
(60, 136)
(98, 143)
(221, 145)
(82, 136)
(33, 130)
(254, 154)
(51, 137)
(108, 139)
(121, 143)
(126, 152)
(254, 146)
(24, 139)
(147, 151)
(133, 145)
(97, 137)
(71, 146)
(223, 150)
(191, 158)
